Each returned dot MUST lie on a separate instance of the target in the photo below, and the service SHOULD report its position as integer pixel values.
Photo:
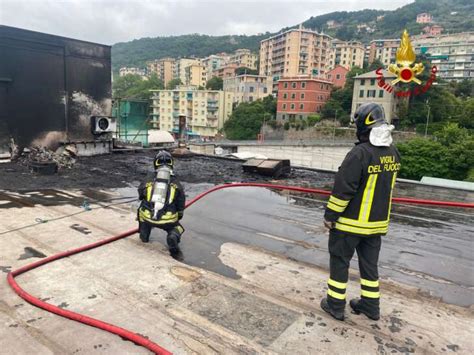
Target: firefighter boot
(144, 230)
(337, 314)
(173, 238)
(360, 306)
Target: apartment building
(337, 76)
(295, 52)
(164, 68)
(248, 88)
(452, 54)
(384, 50)
(132, 70)
(195, 75)
(181, 65)
(227, 71)
(424, 18)
(347, 54)
(214, 62)
(244, 58)
(299, 97)
(205, 110)
(433, 30)
(366, 90)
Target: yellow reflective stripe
(363, 231)
(357, 223)
(337, 284)
(149, 188)
(369, 283)
(172, 193)
(334, 207)
(368, 198)
(394, 178)
(180, 229)
(339, 296)
(338, 201)
(370, 294)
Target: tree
(245, 70)
(376, 64)
(173, 83)
(135, 87)
(270, 105)
(122, 84)
(215, 83)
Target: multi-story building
(195, 75)
(244, 58)
(205, 110)
(366, 90)
(132, 70)
(248, 88)
(226, 71)
(300, 97)
(164, 68)
(384, 50)
(180, 67)
(337, 76)
(295, 52)
(433, 30)
(424, 18)
(452, 54)
(347, 54)
(214, 62)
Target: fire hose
(129, 335)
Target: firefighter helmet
(163, 158)
(368, 116)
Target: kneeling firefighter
(358, 212)
(162, 203)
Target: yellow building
(181, 65)
(248, 88)
(347, 54)
(244, 58)
(383, 50)
(195, 75)
(295, 52)
(205, 110)
(164, 68)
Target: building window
(371, 93)
(372, 81)
(251, 89)
(301, 106)
(303, 85)
(283, 107)
(293, 85)
(361, 93)
(292, 106)
(362, 82)
(329, 76)
(293, 96)
(301, 117)
(380, 93)
(285, 95)
(302, 95)
(265, 90)
(338, 76)
(285, 85)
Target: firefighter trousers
(341, 249)
(174, 231)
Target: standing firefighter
(162, 203)
(358, 212)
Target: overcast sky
(111, 21)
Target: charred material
(50, 86)
(268, 167)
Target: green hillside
(453, 15)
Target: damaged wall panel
(49, 88)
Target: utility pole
(427, 116)
(334, 131)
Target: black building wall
(50, 86)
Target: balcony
(212, 107)
(175, 97)
(212, 117)
(175, 114)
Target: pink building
(337, 76)
(424, 18)
(434, 30)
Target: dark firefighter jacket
(361, 198)
(172, 211)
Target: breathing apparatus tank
(160, 189)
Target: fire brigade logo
(404, 69)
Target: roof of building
(337, 67)
(306, 78)
(373, 74)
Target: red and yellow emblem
(404, 69)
